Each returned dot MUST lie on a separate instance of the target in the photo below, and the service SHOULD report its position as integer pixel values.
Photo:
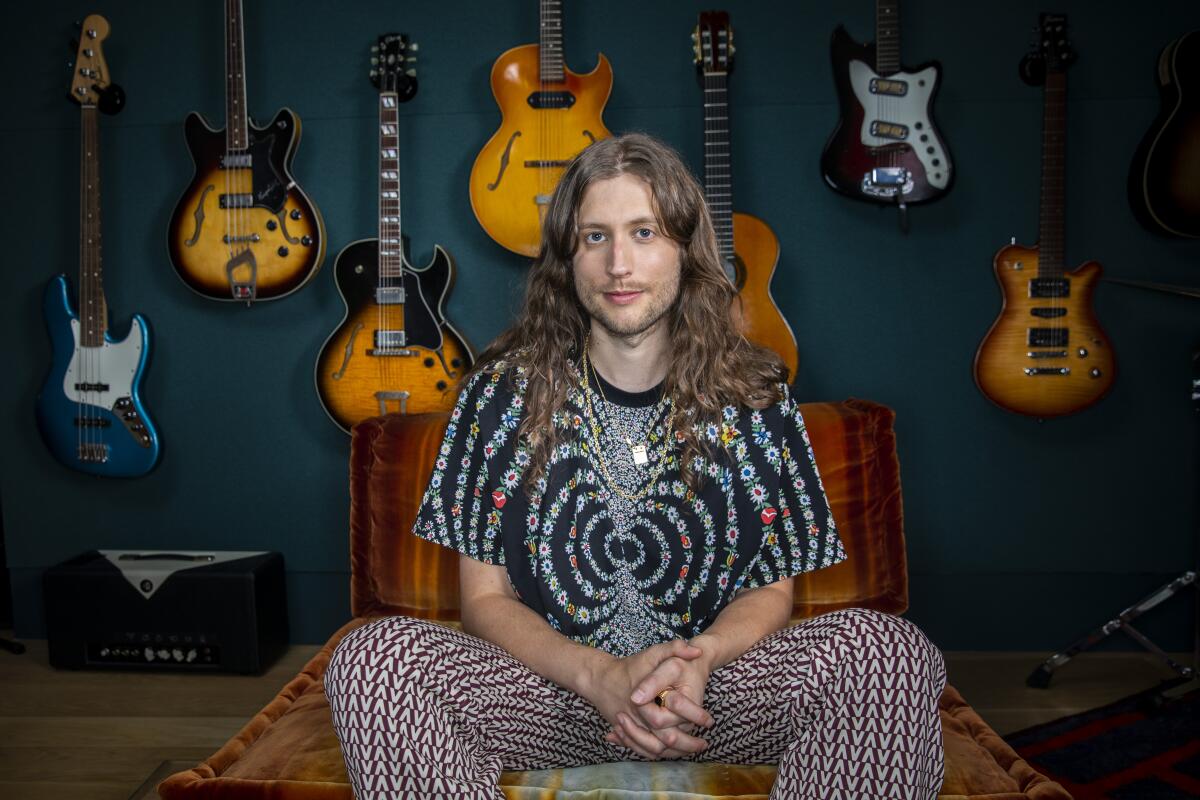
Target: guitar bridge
(93, 452)
(887, 182)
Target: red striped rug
(1133, 749)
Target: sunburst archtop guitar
(244, 230)
(1046, 355)
(90, 411)
(548, 114)
(749, 247)
(394, 351)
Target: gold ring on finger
(660, 699)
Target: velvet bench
(289, 749)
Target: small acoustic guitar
(1164, 179)
(885, 148)
(90, 410)
(548, 114)
(1046, 355)
(394, 351)
(244, 230)
(748, 246)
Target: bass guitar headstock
(393, 58)
(712, 43)
(1051, 51)
(91, 84)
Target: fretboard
(1051, 235)
(93, 310)
(236, 133)
(887, 36)
(718, 160)
(550, 48)
(390, 241)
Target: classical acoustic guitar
(885, 148)
(1046, 354)
(1164, 179)
(90, 411)
(244, 230)
(548, 114)
(748, 246)
(394, 351)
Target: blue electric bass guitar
(89, 410)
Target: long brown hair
(712, 364)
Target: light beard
(629, 329)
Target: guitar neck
(550, 46)
(93, 309)
(1051, 234)
(718, 159)
(887, 36)
(236, 131)
(390, 242)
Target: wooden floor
(100, 735)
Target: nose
(619, 255)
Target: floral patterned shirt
(624, 570)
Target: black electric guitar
(885, 148)
(394, 351)
(1164, 180)
(244, 230)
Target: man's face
(626, 269)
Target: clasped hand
(625, 692)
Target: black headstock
(393, 59)
(1051, 50)
(712, 43)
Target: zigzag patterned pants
(846, 704)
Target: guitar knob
(295, 213)
(272, 224)
(1095, 372)
(306, 241)
(283, 251)
(1083, 352)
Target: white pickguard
(113, 363)
(908, 110)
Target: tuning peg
(374, 60)
(414, 47)
(412, 73)
(374, 48)
(411, 59)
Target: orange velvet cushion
(394, 572)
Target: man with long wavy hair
(631, 489)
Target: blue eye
(643, 233)
(593, 237)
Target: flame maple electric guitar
(90, 411)
(394, 351)
(548, 114)
(885, 148)
(1164, 179)
(1046, 355)
(748, 246)
(244, 230)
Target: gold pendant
(639, 454)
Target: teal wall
(1021, 535)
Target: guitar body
(1164, 180)
(509, 190)
(886, 132)
(101, 428)
(352, 382)
(280, 236)
(757, 251)
(1085, 353)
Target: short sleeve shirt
(612, 548)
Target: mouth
(623, 297)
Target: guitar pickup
(1046, 354)
(389, 296)
(92, 422)
(242, 200)
(1047, 313)
(1049, 287)
(390, 343)
(91, 387)
(1048, 337)
(889, 130)
(247, 239)
(551, 100)
(237, 161)
(889, 87)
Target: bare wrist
(591, 671)
(710, 649)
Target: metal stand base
(1040, 677)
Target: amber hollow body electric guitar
(1046, 355)
(748, 247)
(394, 351)
(885, 148)
(548, 114)
(243, 229)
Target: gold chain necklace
(595, 429)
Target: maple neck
(550, 46)
(718, 159)
(236, 131)
(390, 240)
(887, 36)
(93, 310)
(1051, 235)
